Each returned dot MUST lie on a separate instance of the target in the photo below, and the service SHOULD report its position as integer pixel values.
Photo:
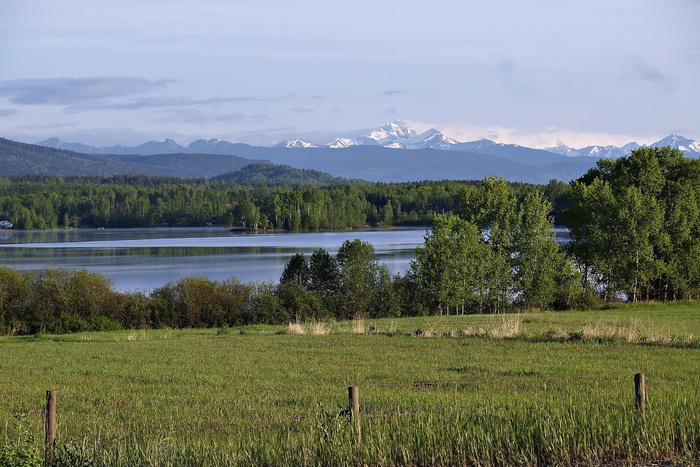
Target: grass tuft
(358, 326)
(510, 328)
(295, 329)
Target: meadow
(550, 388)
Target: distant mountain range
(690, 147)
(395, 135)
(393, 153)
(399, 135)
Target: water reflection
(142, 259)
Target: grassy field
(528, 389)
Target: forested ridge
(634, 222)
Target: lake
(143, 259)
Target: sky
(260, 72)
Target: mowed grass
(433, 391)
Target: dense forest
(634, 222)
(43, 202)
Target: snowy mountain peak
(399, 135)
(392, 134)
(431, 139)
(341, 143)
(686, 145)
(295, 143)
(673, 141)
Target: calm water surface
(142, 259)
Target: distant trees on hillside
(39, 202)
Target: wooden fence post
(50, 425)
(640, 391)
(354, 401)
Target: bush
(23, 451)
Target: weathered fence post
(354, 401)
(640, 391)
(50, 425)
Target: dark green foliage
(298, 304)
(272, 174)
(296, 271)
(197, 302)
(324, 274)
(56, 301)
(352, 285)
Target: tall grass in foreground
(529, 389)
(578, 431)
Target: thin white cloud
(70, 91)
(151, 102)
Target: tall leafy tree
(493, 208)
(452, 267)
(359, 276)
(324, 274)
(541, 268)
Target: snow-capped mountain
(295, 143)
(397, 135)
(341, 143)
(688, 146)
(390, 135)
(432, 139)
(608, 152)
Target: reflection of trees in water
(133, 265)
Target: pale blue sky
(527, 72)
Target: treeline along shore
(634, 223)
(44, 202)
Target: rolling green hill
(272, 174)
